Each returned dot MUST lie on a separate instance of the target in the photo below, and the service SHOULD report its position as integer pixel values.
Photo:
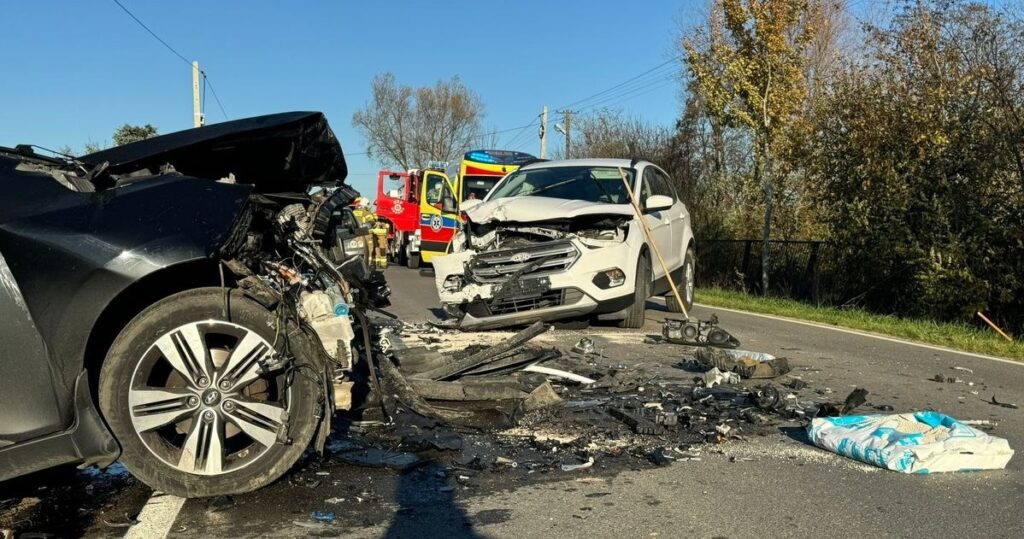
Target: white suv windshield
(592, 184)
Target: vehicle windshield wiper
(604, 192)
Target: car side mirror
(658, 202)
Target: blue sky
(76, 70)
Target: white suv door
(673, 219)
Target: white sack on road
(921, 442)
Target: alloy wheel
(199, 402)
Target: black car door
(28, 404)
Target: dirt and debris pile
(519, 405)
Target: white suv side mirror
(658, 202)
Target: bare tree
(411, 126)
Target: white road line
(864, 334)
(157, 517)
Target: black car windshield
(592, 184)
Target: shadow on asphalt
(798, 434)
(652, 306)
(428, 513)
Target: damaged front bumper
(546, 281)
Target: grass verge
(957, 336)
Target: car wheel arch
(136, 297)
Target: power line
(215, 97)
(517, 136)
(642, 83)
(631, 93)
(206, 79)
(621, 84)
(508, 130)
(152, 33)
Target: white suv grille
(539, 259)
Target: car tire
(635, 314)
(399, 250)
(412, 260)
(686, 287)
(261, 425)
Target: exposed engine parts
(294, 259)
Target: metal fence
(795, 267)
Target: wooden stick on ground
(995, 327)
(650, 240)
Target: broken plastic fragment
(1003, 404)
(584, 346)
(574, 467)
(715, 377)
(660, 457)
(559, 374)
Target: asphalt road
(776, 486)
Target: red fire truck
(420, 211)
(398, 206)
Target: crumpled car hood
(276, 153)
(535, 208)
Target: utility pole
(197, 106)
(568, 130)
(544, 132)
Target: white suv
(559, 239)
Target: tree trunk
(769, 207)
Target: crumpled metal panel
(276, 153)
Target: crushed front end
(507, 272)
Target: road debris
(698, 333)
(921, 442)
(379, 458)
(584, 346)
(640, 425)
(575, 467)
(559, 374)
(855, 399)
(1003, 404)
(715, 377)
(324, 516)
(745, 363)
(511, 403)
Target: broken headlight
(453, 283)
(610, 278)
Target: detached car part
(201, 284)
(698, 333)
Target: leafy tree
(128, 133)
(747, 66)
(125, 134)
(410, 126)
(918, 164)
